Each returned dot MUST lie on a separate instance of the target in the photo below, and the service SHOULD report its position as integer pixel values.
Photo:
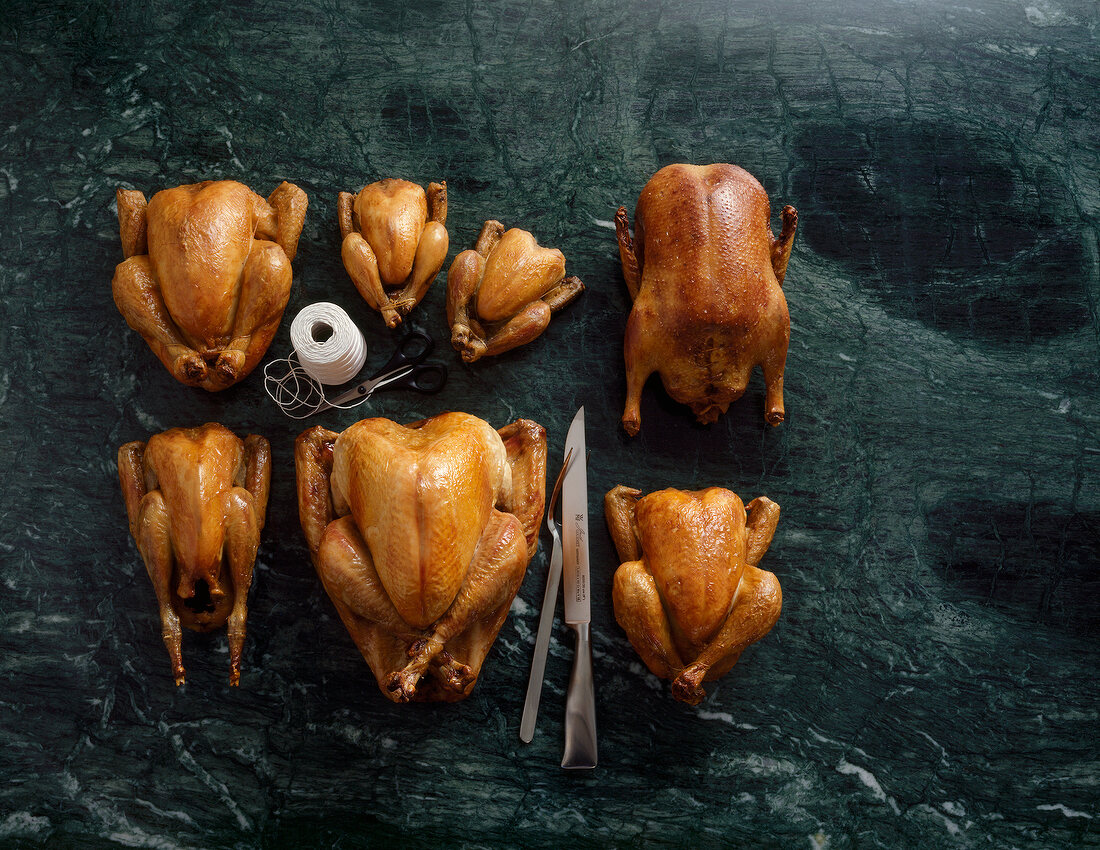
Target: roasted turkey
(421, 535)
(196, 499)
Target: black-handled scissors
(405, 370)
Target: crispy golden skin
(689, 594)
(196, 499)
(207, 274)
(502, 293)
(706, 277)
(394, 243)
(421, 535)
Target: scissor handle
(412, 348)
(426, 378)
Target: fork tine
(551, 523)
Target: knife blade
(580, 699)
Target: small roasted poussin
(394, 243)
(421, 535)
(689, 594)
(502, 293)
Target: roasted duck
(706, 277)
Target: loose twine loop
(328, 350)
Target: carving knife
(580, 699)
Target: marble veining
(931, 681)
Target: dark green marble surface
(932, 679)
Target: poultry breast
(705, 275)
(421, 535)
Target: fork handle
(542, 644)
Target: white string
(328, 349)
(328, 344)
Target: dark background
(932, 679)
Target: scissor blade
(363, 390)
(357, 392)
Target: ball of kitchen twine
(329, 346)
(328, 349)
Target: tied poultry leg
(265, 289)
(638, 610)
(494, 577)
(148, 516)
(756, 607)
(755, 610)
(527, 325)
(431, 252)
(533, 319)
(635, 598)
(139, 299)
(361, 263)
(362, 266)
(462, 282)
(155, 544)
(348, 573)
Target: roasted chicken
(706, 277)
(421, 535)
(395, 238)
(689, 594)
(196, 499)
(502, 293)
(207, 274)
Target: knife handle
(580, 707)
